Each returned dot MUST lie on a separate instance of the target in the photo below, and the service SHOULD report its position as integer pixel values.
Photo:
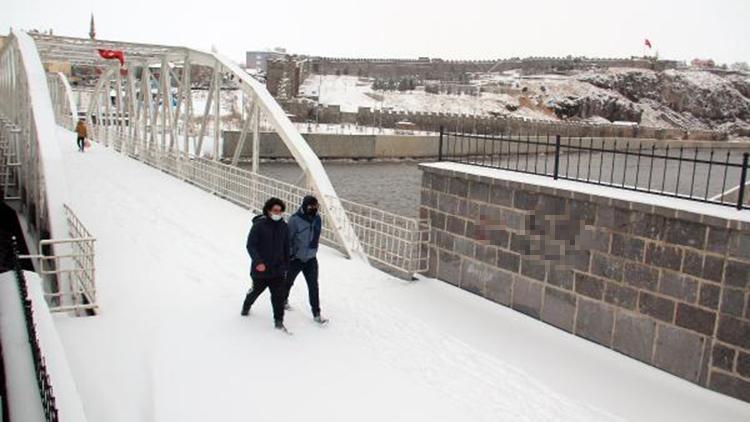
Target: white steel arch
(66, 110)
(147, 107)
(31, 156)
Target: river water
(391, 186)
(395, 186)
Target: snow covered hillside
(351, 92)
(691, 99)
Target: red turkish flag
(112, 54)
(648, 43)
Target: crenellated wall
(439, 69)
(427, 121)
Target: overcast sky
(465, 29)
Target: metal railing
(72, 263)
(390, 239)
(31, 167)
(44, 384)
(9, 164)
(705, 175)
(393, 241)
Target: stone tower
(92, 30)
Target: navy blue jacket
(268, 244)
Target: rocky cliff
(683, 98)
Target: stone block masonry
(447, 70)
(338, 146)
(665, 285)
(485, 124)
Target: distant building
(705, 64)
(58, 66)
(258, 60)
(285, 75)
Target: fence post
(440, 145)
(743, 180)
(557, 156)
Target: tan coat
(81, 129)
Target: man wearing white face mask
(268, 246)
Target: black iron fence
(40, 367)
(711, 175)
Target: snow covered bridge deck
(169, 344)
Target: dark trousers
(310, 270)
(279, 292)
(80, 143)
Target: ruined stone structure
(285, 75)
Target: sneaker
(244, 312)
(279, 325)
(320, 320)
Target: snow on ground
(704, 80)
(349, 92)
(22, 394)
(352, 92)
(170, 345)
(231, 101)
(354, 129)
(690, 206)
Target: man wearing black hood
(268, 246)
(304, 236)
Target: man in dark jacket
(268, 246)
(304, 236)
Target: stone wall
(667, 287)
(446, 70)
(338, 146)
(285, 75)
(427, 121)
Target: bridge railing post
(440, 145)
(556, 170)
(743, 180)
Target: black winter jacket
(268, 243)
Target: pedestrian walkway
(169, 343)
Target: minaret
(92, 31)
